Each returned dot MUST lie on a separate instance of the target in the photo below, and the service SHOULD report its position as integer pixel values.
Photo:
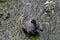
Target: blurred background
(13, 13)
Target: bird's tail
(40, 31)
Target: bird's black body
(31, 26)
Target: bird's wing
(30, 26)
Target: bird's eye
(33, 21)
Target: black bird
(32, 26)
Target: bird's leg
(28, 34)
(33, 32)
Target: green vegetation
(14, 12)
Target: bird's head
(33, 21)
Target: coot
(32, 26)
